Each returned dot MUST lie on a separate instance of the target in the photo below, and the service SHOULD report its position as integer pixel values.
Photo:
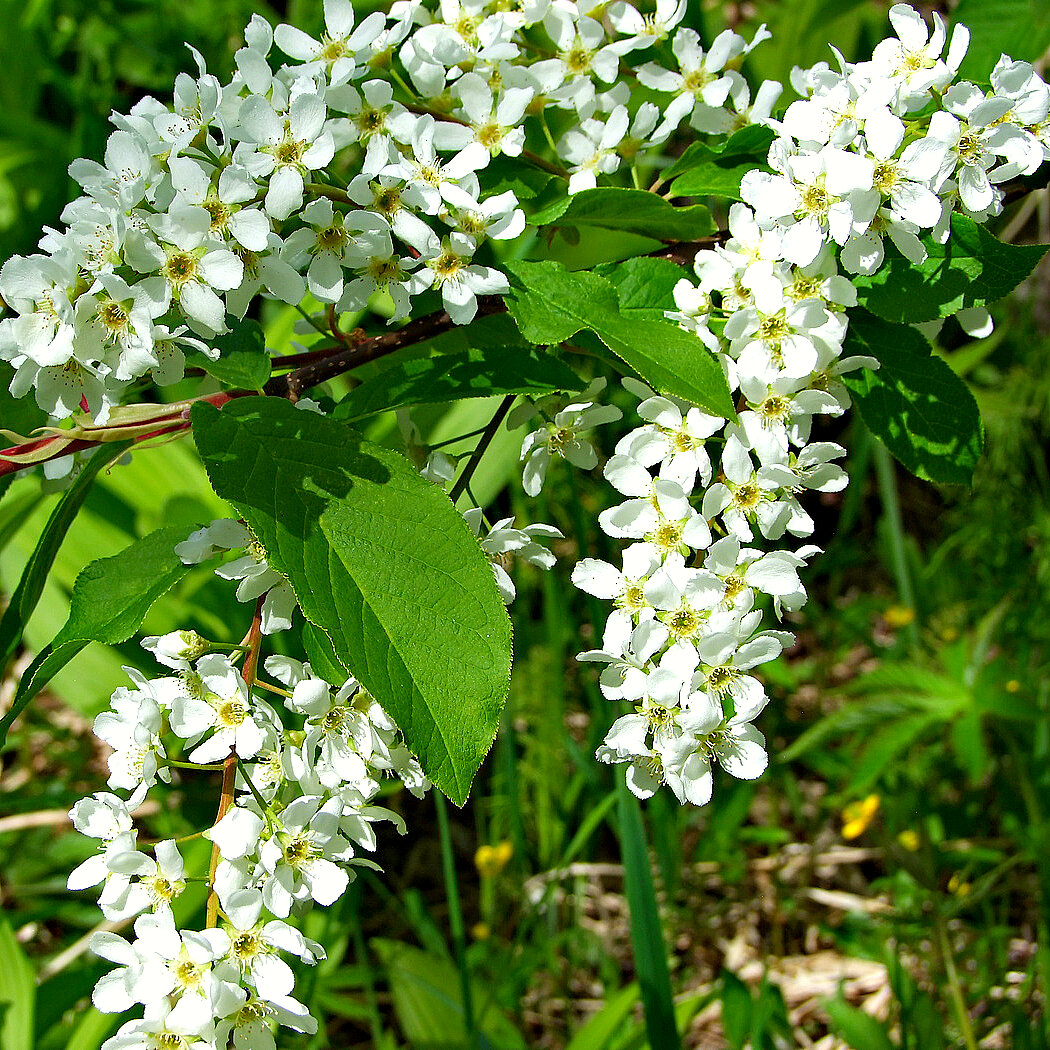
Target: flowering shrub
(399, 169)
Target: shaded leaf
(243, 362)
(914, 403)
(449, 377)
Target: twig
(483, 443)
(229, 772)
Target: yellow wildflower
(857, 816)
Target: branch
(309, 375)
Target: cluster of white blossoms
(341, 166)
(298, 811)
(851, 164)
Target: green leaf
(449, 377)
(860, 1030)
(17, 993)
(381, 560)
(737, 1010)
(110, 599)
(703, 171)
(551, 304)
(972, 268)
(322, 655)
(920, 409)
(243, 362)
(31, 585)
(1018, 28)
(426, 993)
(644, 286)
(636, 211)
(608, 1022)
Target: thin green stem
(311, 322)
(213, 767)
(401, 82)
(486, 439)
(458, 437)
(251, 787)
(455, 918)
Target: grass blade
(650, 961)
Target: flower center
(683, 622)
(220, 214)
(772, 328)
(887, 175)
(387, 201)
(246, 945)
(383, 271)
(816, 200)
(697, 80)
(633, 596)
(447, 264)
(180, 268)
(299, 851)
(578, 59)
(721, 678)
(332, 49)
(115, 317)
(969, 148)
(370, 120)
(232, 713)
(667, 535)
(490, 135)
(289, 152)
(775, 407)
(332, 239)
(747, 496)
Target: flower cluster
(861, 156)
(298, 809)
(343, 166)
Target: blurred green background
(886, 884)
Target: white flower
(459, 280)
(222, 705)
(379, 269)
(254, 943)
(914, 59)
(503, 539)
(592, 148)
(495, 121)
(626, 651)
(684, 597)
(326, 241)
(561, 437)
(700, 79)
(340, 44)
(627, 587)
(283, 147)
(426, 172)
(132, 729)
(296, 858)
(255, 575)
